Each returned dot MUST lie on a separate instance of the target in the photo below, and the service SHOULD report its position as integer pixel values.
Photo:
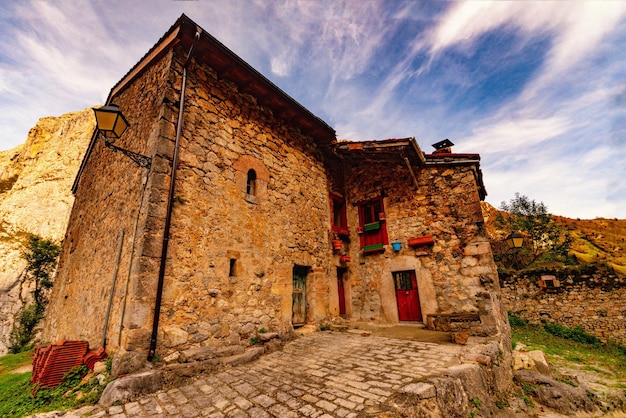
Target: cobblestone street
(325, 374)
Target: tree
(41, 260)
(545, 241)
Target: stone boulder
(131, 386)
(560, 397)
(531, 360)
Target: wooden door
(342, 296)
(298, 316)
(407, 296)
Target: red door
(342, 296)
(408, 298)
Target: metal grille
(53, 361)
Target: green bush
(40, 255)
(23, 329)
(577, 333)
(516, 321)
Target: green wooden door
(298, 316)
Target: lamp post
(515, 240)
(111, 123)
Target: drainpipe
(170, 202)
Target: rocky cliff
(35, 198)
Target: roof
(229, 66)
(385, 150)
(395, 150)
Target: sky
(538, 89)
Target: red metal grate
(53, 361)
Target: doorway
(341, 274)
(407, 296)
(298, 306)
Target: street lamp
(111, 123)
(515, 240)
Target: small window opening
(251, 183)
(339, 218)
(232, 270)
(339, 210)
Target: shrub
(577, 333)
(516, 321)
(40, 255)
(23, 329)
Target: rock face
(35, 198)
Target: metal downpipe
(170, 202)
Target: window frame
(372, 228)
(338, 214)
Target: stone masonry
(595, 301)
(250, 244)
(331, 374)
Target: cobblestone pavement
(325, 374)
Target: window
(251, 183)
(252, 178)
(232, 268)
(403, 279)
(373, 228)
(339, 219)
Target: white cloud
(577, 29)
(511, 134)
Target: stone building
(270, 222)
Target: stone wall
(108, 200)
(594, 300)
(232, 253)
(446, 206)
(251, 204)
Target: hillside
(35, 197)
(594, 240)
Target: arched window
(251, 183)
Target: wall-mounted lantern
(111, 123)
(515, 240)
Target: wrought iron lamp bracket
(139, 159)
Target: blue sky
(537, 88)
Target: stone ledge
(249, 355)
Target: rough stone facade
(444, 205)
(595, 301)
(253, 224)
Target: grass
(11, 362)
(606, 360)
(19, 398)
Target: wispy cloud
(536, 87)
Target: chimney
(443, 147)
